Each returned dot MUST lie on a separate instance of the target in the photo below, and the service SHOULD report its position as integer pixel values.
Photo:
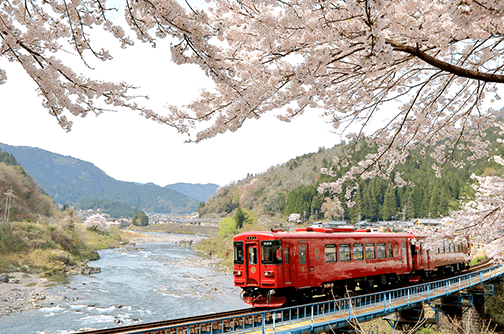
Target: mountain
(200, 192)
(69, 180)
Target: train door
(287, 267)
(252, 264)
(303, 266)
(405, 258)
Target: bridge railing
(336, 313)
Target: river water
(158, 281)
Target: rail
(329, 314)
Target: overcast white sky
(128, 147)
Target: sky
(128, 147)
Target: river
(158, 281)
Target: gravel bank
(24, 292)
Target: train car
(450, 258)
(275, 267)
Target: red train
(276, 267)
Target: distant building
(426, 223)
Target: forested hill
(21, 198)
(292, 188)
(68, 180)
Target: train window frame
(370, 251)
(358, 255)
(390, 250)
(330, 253)
(238, 250)
(345, 253)
(381, 250)
(270, 251)
(302, 254)
(252, 260)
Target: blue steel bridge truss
(339, 313)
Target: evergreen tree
(239, 218)
(140, 219)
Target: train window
(302, 254)
(271, 252)
(381, 251)
(404, 250)
(330, 253)
(358, 252)
(238, 252)
(286, 254)
(370, 252)
(390, 250)
(344, 251)
(459, 248)
(452, 246)
(442, 249)
(252, 255)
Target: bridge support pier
(464, 311)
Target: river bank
(28, 290)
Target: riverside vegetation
(35, 235)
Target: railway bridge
(451, 296)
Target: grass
(51, 248)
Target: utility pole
(8, 202)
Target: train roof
(324, 234)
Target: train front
(258, 268)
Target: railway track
(206, 320)
(221, 322)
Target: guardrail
(337, 313)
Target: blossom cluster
(480, 221)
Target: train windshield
(238, 252)
(271, 252)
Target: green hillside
(292, 188)
(20, 197)
(69, 180)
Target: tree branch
(444, 66)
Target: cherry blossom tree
(480, 220)
(295, 218)
(331, 208)
(398, 74)
(96, 222)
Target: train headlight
(237, 273)
(268, 274)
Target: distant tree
(64, 207)
(295, 218)
(239, 218)
(227, 226)
(7, 158)
(201, 206)
(140, 219)
(389, 209)
(331, 208)
(96, 223)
